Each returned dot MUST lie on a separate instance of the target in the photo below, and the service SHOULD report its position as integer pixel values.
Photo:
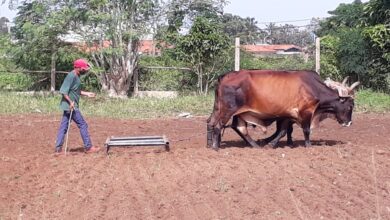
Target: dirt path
(346, 175)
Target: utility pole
(237, 55)
(318, 68)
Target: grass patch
(14, 81)
(12, 103)
(101, 106)
(369, 101)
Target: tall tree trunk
(206, 90)
(123, 69)
(53, 71)
(119, 61)
(135, 78)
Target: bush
(286, 62)
(90, 82)
(370, 101)
(160, 80)
(164, 79)
(15, 81)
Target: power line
(288, 21)
(288, 27)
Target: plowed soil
(345, 175)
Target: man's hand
(71, 103)
(71, 106)
(88, 94)
(91, 95)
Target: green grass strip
(101, 106)
(12, 103)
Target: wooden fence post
(53, 72)
(237, 55)
(318, 67)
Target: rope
(188, 138)
(197, 135)
(193, 136)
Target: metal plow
(137, 141)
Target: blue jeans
(81, 123)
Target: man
(71, 91)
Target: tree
(112, 30)
(38, 27)
(201, 48)
(205, 42)
(345, 15)
(244, 28)
(289, 34)
(362, 33)
(181, 15)
(4, 25)
(349, 52)
(376, 32)
(6, 63)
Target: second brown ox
(260, 97)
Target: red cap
(81, 63)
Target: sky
(5, 12)
(264, 11)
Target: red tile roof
(146, 46)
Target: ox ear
(354, 85)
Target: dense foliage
(177, 78)
(193, 35)
(356, 42)
(275, 63)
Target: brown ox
(343, 89)
(260, 97)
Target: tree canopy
(356, 42)
(196, 34)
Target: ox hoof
(215, 148)
(253, 144)
(263, 142)
(269, 146)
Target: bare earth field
(345, 175)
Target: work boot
(58, 152)
(92, 149)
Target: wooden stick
(67, 131)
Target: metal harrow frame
(133, 141)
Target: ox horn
(342, 92)
(345, 81)
(354, 85)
